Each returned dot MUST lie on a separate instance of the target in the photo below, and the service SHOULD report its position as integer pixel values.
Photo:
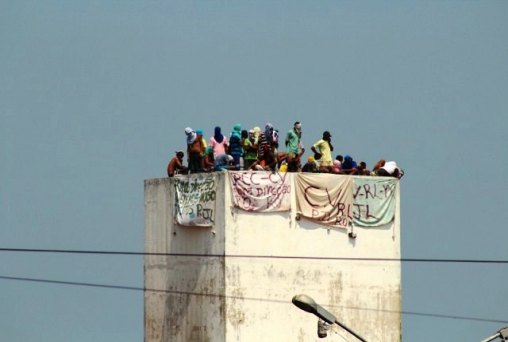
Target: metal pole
(350, 331)
(491, 338)
(501, 333)
(308, 304)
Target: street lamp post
(308, 304)
(502, 334)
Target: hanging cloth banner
(374, 201)
(325, 198)
(195, 199)
(260, 190)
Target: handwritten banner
(374, 201)
(195, 199)
(325, 198)
(260, 191)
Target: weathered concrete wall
(188, 302)
(270, 257)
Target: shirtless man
(176, 166)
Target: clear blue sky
(95, 95)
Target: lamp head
(308, 304)
(305, 303)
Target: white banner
(195, 199)
(260, 190)
(374, 201)
(325, 198)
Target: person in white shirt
(390, 169)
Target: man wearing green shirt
(293, 147)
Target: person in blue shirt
(223, 162)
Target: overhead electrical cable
(137, 288)
(431, 260)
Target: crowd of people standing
(257, 149)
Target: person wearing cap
(323, 152)
(294, 147)
(175, 165)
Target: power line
(428, 260)
(137, 288)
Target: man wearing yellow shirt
(323, 150)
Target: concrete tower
(226, 252)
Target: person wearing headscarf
(257, 133)
(208, 159)
(200, 135)
(191, 135)
(269, 132)
(218, 142)
(349, 165)
(265, 138)
(250, 150)
(195, 150)
(237, 131)
(235, 145)
(243, 141)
